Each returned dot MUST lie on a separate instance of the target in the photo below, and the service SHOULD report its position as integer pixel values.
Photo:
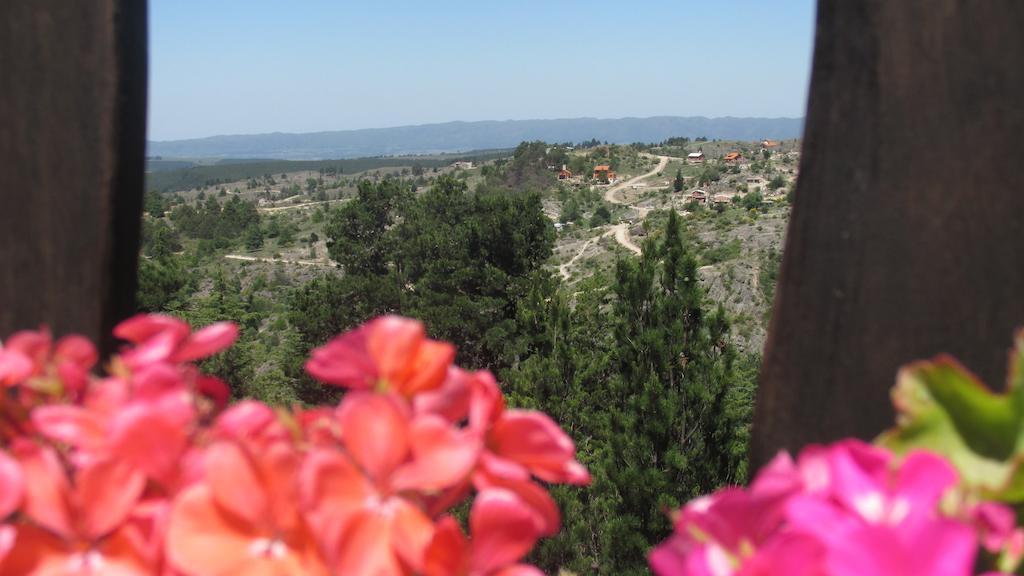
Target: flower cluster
(842, 510)
(147, 470)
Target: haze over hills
(465, 136)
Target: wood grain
(72, 151)
(905, 238)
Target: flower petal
(207, 342)
(105, 493)
(46, 488)
(201, 540)
(375, 429)
(503, 529)
(235, 482)
(448, 551)
(534, 440)
(442, 456)
(12, 485)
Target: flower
(243, 518)
(77, 527)
(368, 492)
(503, 530)
(518, 444)
(841, 510)
(386, 354)
(160, 338)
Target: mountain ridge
(461, 136)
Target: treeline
(232, 171)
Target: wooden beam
(72, 155)
(906, 235)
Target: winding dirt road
(622, 230)
(609, 194)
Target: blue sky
(252, 66)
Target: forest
(637, 365)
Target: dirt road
(277, 260)
(622, 230)
(294, 206)
(609, 194)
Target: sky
(256, 66)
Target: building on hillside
(462, 165)
(722, 199)
(733, 157)
(604, 173)
(564, 173)
(769, 144)
(695, 157)
(699, 196)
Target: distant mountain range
(465, 136)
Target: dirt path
(563, 269)
(622, 230)
(609, 194)
(623, 238)
(294, 206)
(277, 260)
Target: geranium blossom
(145, 470)
(843, 510)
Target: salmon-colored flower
(78, 527)
(243, 517)
(161, 338)
(372, 492)
(518, 444)
(145, 425)
(51, 368)
(387, 354)
(503, 530)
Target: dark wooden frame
(905, 236)
(72, 156)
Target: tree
(678, 183)
(571, 211)
(674, 410)
(254, 238)
(600, 217)
(357, 232)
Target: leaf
(944, 408)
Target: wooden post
(72, 155)
(907, 231)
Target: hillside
(464, 136)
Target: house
(722, 198)
(770, 144)
(604, 173)
(564, 173)
(699, 196)
(733, 157)
(462, 165)
(695, 157)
